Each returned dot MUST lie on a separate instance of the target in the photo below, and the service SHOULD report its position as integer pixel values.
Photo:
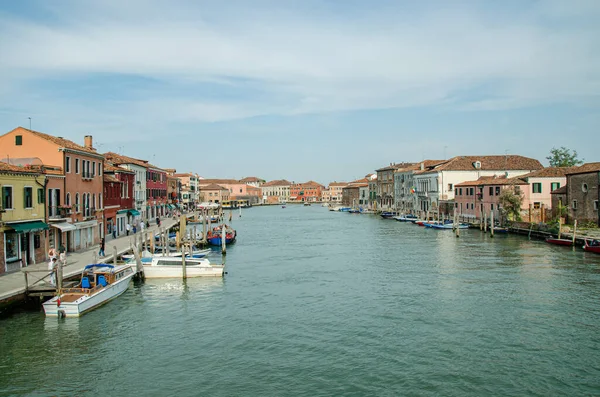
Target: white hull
(87, 303)
(173, 268)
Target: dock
(32, 281)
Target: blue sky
(323, 90)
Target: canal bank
(320, 303)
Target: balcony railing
(58, 212)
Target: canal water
(317, 303)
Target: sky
(326, 90)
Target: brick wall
(584, 189)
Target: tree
(563, 157)
(511, 200)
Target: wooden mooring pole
(492, 223)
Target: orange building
(76, 209)
(308, 191)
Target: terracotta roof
(108, 167)
(16, 168)
(550, 172)
(278, 182)
(110, 178)
(560, 190)
(188, 174)
(427, 165)
(338, 184)
(253, 188)
(61, 142)
(120, 159)
(585, 168)
(310, 183)
(251, 179)
(213, 186)
(355, 185)
(203, 182)
(394, 166)
(488, 163)
(493, 181)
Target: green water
(318, 303)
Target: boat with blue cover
(99, 284)
(213, 237)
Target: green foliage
(511, 202)
(563, 157)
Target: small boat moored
(172, 267)
(213, 237)
(99, 284)
(592, 246)
(559, 241)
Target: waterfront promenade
(13, 284)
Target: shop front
(23, 244)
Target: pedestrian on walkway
(114, 232)
(127, 228)
(134, 229)
(142, 226)
(52, 268)
(101, 252)
(158, 221)
(62, 254)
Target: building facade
(23, 238)
(277, 191)
(77, 209)
(310, 191)
(583, 193)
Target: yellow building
(22, 214)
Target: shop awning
(134, 212)
(83, 225)
(63, 226)
(171, 206)
(26, 227)
(122, 211)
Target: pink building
(475, 198)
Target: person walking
(142, 226)
(114, 232)
(52, 268)
(158, 221)
(127, 228)
(101, 252)
(62, 254)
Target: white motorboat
(99, 284)
(172, 267)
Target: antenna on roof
(29, 123)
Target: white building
(277, 191)
(436, 184)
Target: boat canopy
(98, 265)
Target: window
(7, 194)
(12, 246)
(77, 202)
(28, 197)
(574, 204)
(240, 190)
(491, 190)
(68, 199)
(18, 140)
(537, 188)
(68, 164)
(536, 205)
(77, 166)
(497, 190)
(472, 191)
(460, 191)
(595, 205)
(584, 187)
(100, 200)
(93, 169)
(492, 206)
(41, 196)
(450, 187)
(554, 186)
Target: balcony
(58, 212)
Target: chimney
(422, 166)
(87, 142)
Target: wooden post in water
(178, 240)
(182, 227)
(574, 231)
(492, 223)
(223, 240)
(59, 276)
(530, 211)
(183, 268)
(560, 221)
(204, 228)
(115, 255)
(485, 222)
(456, 223)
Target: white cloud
(303, 61)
